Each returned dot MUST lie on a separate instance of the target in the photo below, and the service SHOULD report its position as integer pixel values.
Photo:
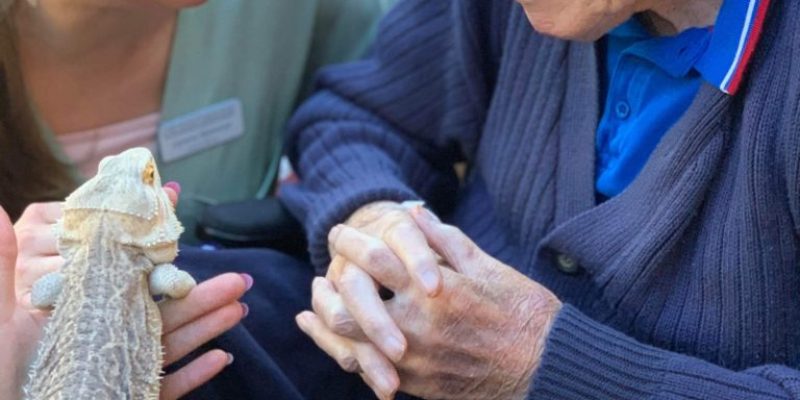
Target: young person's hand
(208, 311)
(37, 249)
(20, 324)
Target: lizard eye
(149, 173)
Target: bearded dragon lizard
(118, 235)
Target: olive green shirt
(263, 53)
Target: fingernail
(248, 281)
(395, 348)
(230, 359)
(174, 186)
(430, 214)
(317, 282)
(384, 383)
(412, 204)
(245, 310)
(302, 321)
(430, 281)
(334, 233)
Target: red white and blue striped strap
(733, 43)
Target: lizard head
(127, 192)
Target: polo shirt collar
(720, 54)
(733, 42)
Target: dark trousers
(273, 359)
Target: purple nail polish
(174, 186)
(248, 281)
(245, 310)
(230, 359)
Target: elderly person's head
(591, 19)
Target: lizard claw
(46, 289)
(167, 279)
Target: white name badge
(200, 130)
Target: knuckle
(348, 279)
(472, 252)
(377, 255)
(25, 237)
(31, 210)
(373, 326)
(348, 362)
(423, 260)
(395, 215)
(343, 325)
(372, 365)
(422, 263)
(400, 226)
(40, 211)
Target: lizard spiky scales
(103, 340)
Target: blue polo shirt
(649, 82)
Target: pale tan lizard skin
(118, 234)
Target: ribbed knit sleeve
(391, 127)
(584, 359)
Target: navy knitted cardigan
(689, 281)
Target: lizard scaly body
(118, 234)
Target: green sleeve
(343, 30)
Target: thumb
(8, 259)
(460, 252)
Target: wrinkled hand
(482, 336)
(390, 236)
(209, 310)
(391, 226)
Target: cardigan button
(622, 109)
(567, 264)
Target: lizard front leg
(167, 279)
(46, 289)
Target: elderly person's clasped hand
(477, 332)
